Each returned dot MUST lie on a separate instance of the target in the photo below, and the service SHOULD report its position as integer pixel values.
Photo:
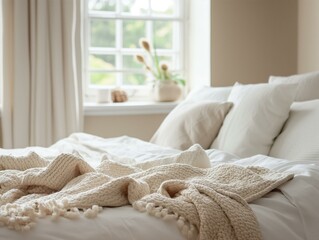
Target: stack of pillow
(277, 119)
(299, 138)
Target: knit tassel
(22, 218)
(187, 229)
(92, 212)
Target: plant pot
(166, 91)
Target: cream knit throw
(210, 203)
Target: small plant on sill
(159, 70)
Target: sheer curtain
(42, 71)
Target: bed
(288, 146)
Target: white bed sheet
(123, 223)
(290, 212)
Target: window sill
(128, 108)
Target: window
(113, 32)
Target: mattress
(289, 212)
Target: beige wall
(139, 126)
(308, 36)
(252, 39)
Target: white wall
(308, 35)
(198, 39)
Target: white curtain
(42, 71)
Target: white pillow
(299, 139)
(308, 85)
(190, 124)
(217, 94)
(256, 118)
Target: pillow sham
(300, 136)
(256, 118)
(191, 123)
(308, 85)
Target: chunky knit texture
(208, 202)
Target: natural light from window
(114, 30)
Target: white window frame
(178, 49)
(196, 60)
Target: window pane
(132, 32)
(102, 62)
(129, 62)
(166, 7)
(102, 33)
(102, 5)
(115, 62)
(135, 7)
(134, 79)
(102, 79)
(163, 34)
(167, 60)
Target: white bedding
(287, 213)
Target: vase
(166, 91)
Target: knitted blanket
(207, 202)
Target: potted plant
(167, 86)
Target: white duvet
(290, 212)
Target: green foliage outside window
(103, 35)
